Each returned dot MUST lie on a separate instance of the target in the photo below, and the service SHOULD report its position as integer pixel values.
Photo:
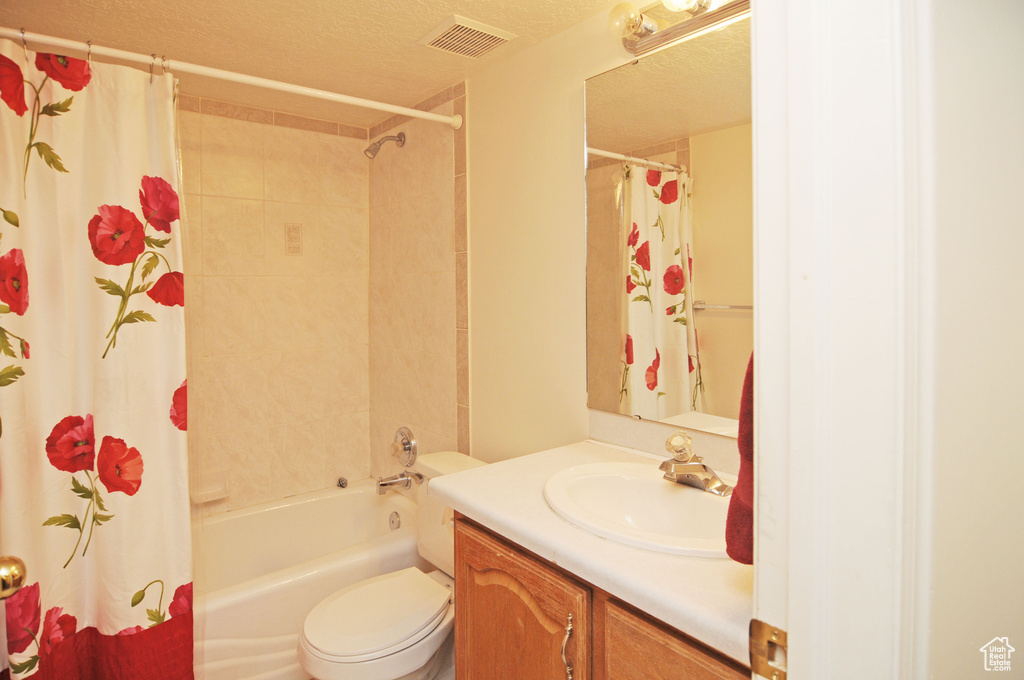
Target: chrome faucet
(686, 467)
(403, 480)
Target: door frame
(842, 366)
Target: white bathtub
(262, 569)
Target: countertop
(710, 600)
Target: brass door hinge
(767, 650)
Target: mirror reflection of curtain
(659, 353)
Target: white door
(888, 167)
(833, 385)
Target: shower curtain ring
(88, 55)
(165, 66)
(151, 65)
(24, 45)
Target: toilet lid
(379, 616)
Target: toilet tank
(436, 534)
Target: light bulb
(624, 19)
(680, 5)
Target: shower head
(372, 150)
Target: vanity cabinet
(512, 613)
(511, 617)
(631, 646)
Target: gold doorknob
(12, 576)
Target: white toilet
(396, 626)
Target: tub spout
(402, 480)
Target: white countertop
(708, 599)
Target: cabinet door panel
(637, 648)
(511, 613)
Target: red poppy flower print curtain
(659, 349)
(94, 492)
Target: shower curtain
(93, 468)
(659, 348)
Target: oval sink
(631, 503)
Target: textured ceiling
(697, 86)
(364, 48)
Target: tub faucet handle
(404, 446)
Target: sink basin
(631, 503)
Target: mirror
(653, 350)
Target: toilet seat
(376, 618)
(416, 662)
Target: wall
(418, 320)
(277, 343)
(527, 268)
(974, 155)
(721, 164)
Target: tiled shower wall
(419, 364)
(277, 331)
(281, 344)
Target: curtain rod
(629, 159)
(50, 42)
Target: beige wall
(527, 276)
(418, 328)
(721, 164)
(975, 204)
(277, 343)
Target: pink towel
(739, 526)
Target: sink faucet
(686, 467)
(403, 479)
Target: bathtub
(260, 570)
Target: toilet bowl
(395, 626)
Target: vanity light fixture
(680, 5)
(707, 16)
(626, 21)
(694, 7)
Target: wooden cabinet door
(512, 611)
(632, 646)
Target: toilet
(395, 626)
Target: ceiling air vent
(465, 37)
